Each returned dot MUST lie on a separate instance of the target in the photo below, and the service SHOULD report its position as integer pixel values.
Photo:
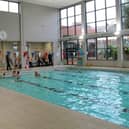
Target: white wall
(9, 22)
(40, 23)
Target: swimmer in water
(125, 110)
(18, 75)
(14, 74)
(36, 74)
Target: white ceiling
(53, 3)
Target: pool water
(102, 94)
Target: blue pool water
(97, 93)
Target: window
(4, 6)
(13, 7)
(91, 28)
(64, 27)
(71, 20)
(101, 26)
(111, 13)
(77, 9)
(90, 17)
(100, 15)
(90, 6)
(71, 26)
(78, 19)
(101, 18)
(110, 3)
(70, 11)
(106, 48)
(63, 13)
(100, 4)
(124, 1)
(111, 25)
(125, 14)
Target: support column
(56, 54)
(82, 38)
(118, 34)
(21, 26)
(56, 44)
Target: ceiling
(53, 3)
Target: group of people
(14, 73)
(41, 60)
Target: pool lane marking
(38, 85)
(93, 86)
(45, 77)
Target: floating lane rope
(45, 87)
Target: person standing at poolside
(8, 65)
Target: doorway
(70, 52)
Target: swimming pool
(98, 93)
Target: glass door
(70, 52)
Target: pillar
(82, 38)
(118, 33)
(21, 26)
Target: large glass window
(71, 20)
(125, 14)
(102, 48)
(7, 6)
(102, 17)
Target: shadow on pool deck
(19, 111)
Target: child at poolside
(37, 74)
